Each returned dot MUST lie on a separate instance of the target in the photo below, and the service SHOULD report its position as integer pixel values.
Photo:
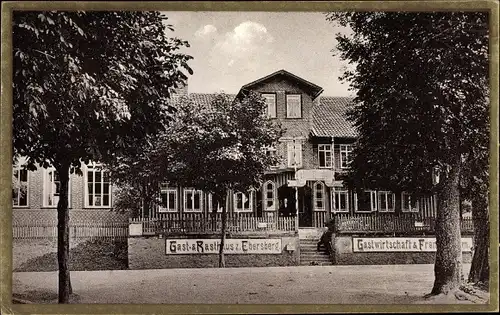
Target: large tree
(87, 87)
(421, 109)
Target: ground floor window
(213, 204)
(409, 203)
(98, 187)
(168, 199)
(52, 188)
(193, 200)
(243, 201)
(269, 196)
(319, 196)
(340, 200)
(386, 201)
(20, 187)
(366, 201)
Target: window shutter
(290, 157)
(298, 153)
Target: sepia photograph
(209, 155)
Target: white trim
(210, 207)
(193, 192)
(288, 112)
(382, 195)
(265, 199)
(19, 168)
(266, 97)
(250, 194)
(373, 202)
(347, 149)
(339, 192)
(96, 167)
(46, 183)
(323, 196)
(168, 190)
(325, 150)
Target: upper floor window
(294, 154)
(366, 201)
(168, 199)
(340, 200)
(319, 196)
(293, 106)
(20, 188)
(193, 200)
(325, 155)
(52, 188)
(386, 201)
(345, 155)
(409, 203)
(98, 187)
(243, 202)
(269, 196)
(271, 104)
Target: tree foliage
(421, 108)
(89, 86)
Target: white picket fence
(82, 229)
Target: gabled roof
(330, 120)
(312, 88)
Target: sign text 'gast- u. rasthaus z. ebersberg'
(401, 244)
(231, 246)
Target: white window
(386, 201)
(193, 200)
(294, 153)
(325, 155)
(269, 196)
(340, 200)
(243, 202)
(211, 204)
(366, 201)
(271, 104)
(409, 203)
(52, 188)
(345, 155)
(20, 187)
(319, 196)
(293, 106)
(271, 153)
(168, 199)
(97, 187)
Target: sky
(231, 49)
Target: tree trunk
(63, 235)
(480, 267)
(222, 262)
(448, 264)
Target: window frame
(164, 188)
(265, 198)
(45, 192)
(384, 194)
(347, 149)
(293, 145)
(324, 150)
(287, 107)
(409, 209)
(20, 168)
(334, 194)
(96, 167)
(274, 97)
(315, 196)
(193, 191)
(250, 203)
(210, 204)
(373, 202)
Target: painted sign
(401, 244)
(231, 246)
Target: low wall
(349, 253)
(150, 253)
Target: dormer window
(271, 104)
(293, 106)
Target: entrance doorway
(305, 207)
(286, 201)
(287, 204)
